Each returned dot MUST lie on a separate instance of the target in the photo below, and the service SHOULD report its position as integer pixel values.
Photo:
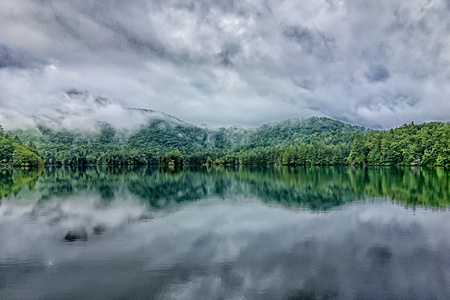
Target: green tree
(172, 158)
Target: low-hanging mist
(82, 112)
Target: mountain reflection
(223, 233)
(313, 188)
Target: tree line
(319, 141)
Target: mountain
(152, 134)
(106, 133)
(306, 131)
(85, 112)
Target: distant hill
(306, 131)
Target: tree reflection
(13, 180)
(314, 188)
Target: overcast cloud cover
(375, 63)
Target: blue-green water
(225, 233)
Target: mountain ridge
(295, 141)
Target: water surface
(225, 233)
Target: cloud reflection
(226, 244)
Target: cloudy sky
(378, 63)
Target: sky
(376, 63)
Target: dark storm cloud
(377, 73)
(6, 60)
(254, 61)
(315, 43)
(225, 59)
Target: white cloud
(376, 63)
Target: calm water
(225, 233)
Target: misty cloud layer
(374, 63)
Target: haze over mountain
(84, 112)
(372, 63)
(84, 128)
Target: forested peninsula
(311, 141)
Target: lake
(225, 233)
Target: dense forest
(312, 141)
(14, 153)
(408, 145)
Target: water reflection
(224, 233)
(314, 188)
(13, 180)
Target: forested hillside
(424, 144)
(303, 131)
(14, 153)
(312, 141)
